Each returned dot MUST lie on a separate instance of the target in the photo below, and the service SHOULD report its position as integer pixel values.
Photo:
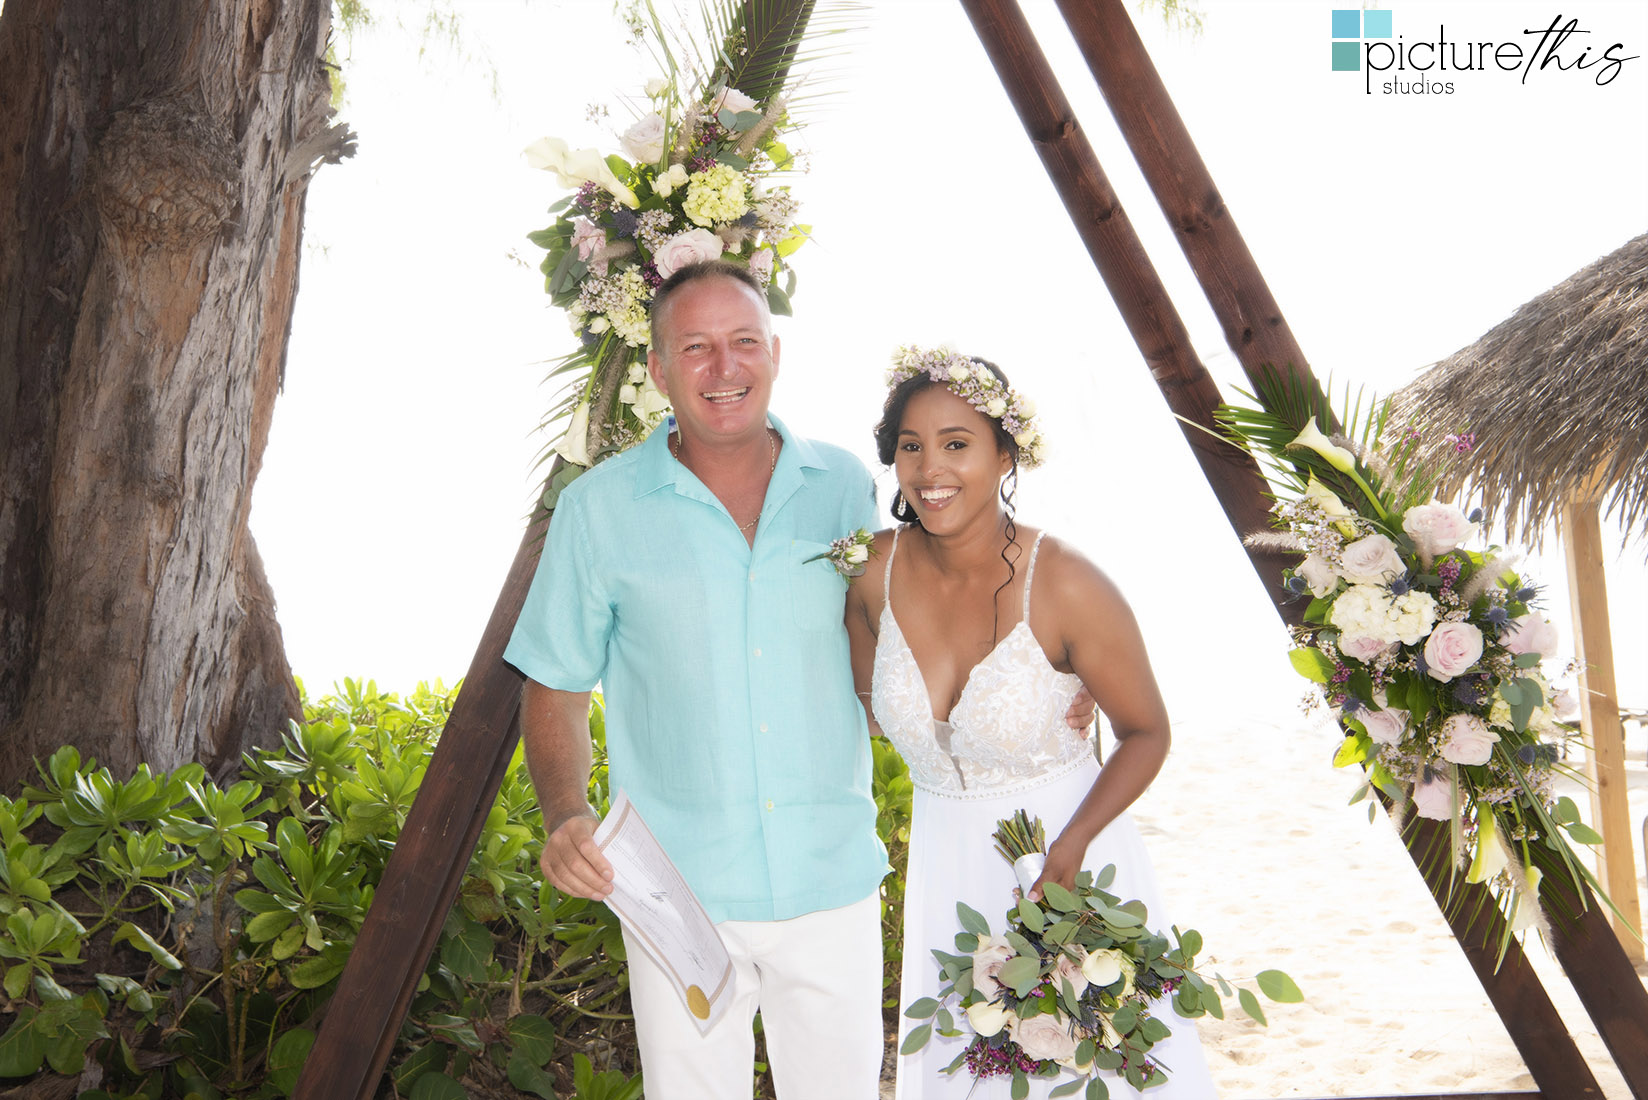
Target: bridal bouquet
(1427, 644)
(1071, 986)
(695, 180)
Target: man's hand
(1081, 712)
(572, 861)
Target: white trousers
(817, 981)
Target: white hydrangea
(1368, 611)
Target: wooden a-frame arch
(422, 877)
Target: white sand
(1257, 848)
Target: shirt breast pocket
(818, 594)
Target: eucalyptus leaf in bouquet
(1074, 988)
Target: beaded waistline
(1029, 783)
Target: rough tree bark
(154, 158)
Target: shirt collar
(658, 468)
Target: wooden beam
(426, 869)
(1514, 989)
(1134, 285)
(1581, 531)
(1133, 90)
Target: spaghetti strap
(887, 577)
(1029, 574)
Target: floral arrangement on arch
(1072, 986)
(695, 180)
(1427, 643)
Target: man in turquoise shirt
(676, 576)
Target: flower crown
(973, 382)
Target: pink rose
(988, 959)
(589, 239)
(692, 247)
(1530, 634)
(1437, 528)
(1067, 969)
(1433, 796)
(1043, 1037)
(1372, 560)
(1362, 646)
(1451, 649)
(1384, 726)
(1466, 739)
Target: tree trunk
(153, 162)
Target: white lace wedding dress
(1006, 747)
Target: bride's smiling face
(948, 462)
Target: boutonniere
(849, 554)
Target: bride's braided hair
(886, 439)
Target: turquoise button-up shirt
(730, 714)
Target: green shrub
(163, 936)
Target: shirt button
(752, 576)
(763, 727)
(758, 651)
(769, 804)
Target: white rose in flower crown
(1433, 797)
(1530, 634)
(1371, 560)
(1363, 647)
(1027, 407)
(692, 247)
(857, 554)
(644, 141)
(988, 958)
(1043, 1037)
(731, 99)
(987, 1017)
(1384, 726)
(995, 407)
(1466, 739)
(1437, 528)
(1318, 574)
(959, 373)
(1451, 650)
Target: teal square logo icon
(1347, 23)
(1376, 24)
(1347, 57)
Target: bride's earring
(901, 508)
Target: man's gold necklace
(772, 454)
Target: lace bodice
(1008, 726)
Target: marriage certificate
(660, 911)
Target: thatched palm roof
(1556, 395)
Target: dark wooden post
(1517, 995)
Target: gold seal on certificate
(697, 1002)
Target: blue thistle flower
(1353, 704)
(1475, 516)
(1467, 691)
(1523, 595)
(1498, 616)
(1419, 664)
(1296, 585)
(748, 220)
(1527, 753)
(624, 221)
(1401, 586)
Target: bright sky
(1393, 230)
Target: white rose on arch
(1371, 560)
(644, 141)
(693, 246)
(1437, 528)
(1530, 634)
(1043, 1037)
(1451, 650)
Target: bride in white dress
(971, 634)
